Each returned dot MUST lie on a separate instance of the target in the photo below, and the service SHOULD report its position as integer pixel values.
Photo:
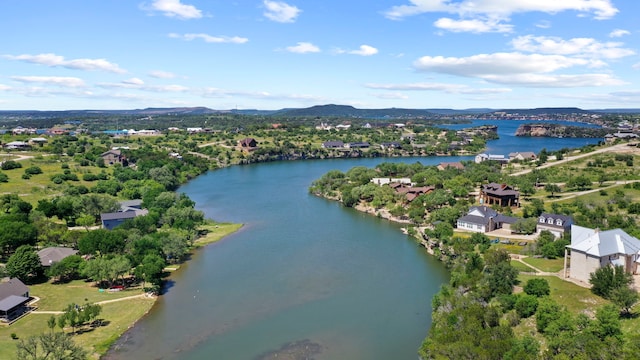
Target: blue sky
(263, 54)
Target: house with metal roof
(14, 295)
(112, 220)
(484, 219)
(592, 249)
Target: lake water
(301, 269)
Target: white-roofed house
(592, 249)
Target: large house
(484, 219)
(248, 144)
(113, 156)
(128, 210)
(14, 295)
(49, 256)
(592, 249)
(499, 194)
(522, 156)
(558, 225)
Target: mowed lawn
(118, 316)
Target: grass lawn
(118, 316)
(215, 232)
(521, 267)
(57, 297)
(547, 265)
(575, 298)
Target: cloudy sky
(264, 54)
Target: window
(550, 221)
(541, 219)
(559, 222)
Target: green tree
(66, 269)
(24, 264)
(552, 188)
(49, 346)
(526, 305)
(608, 278)
(151, 269)
(624, 297)
(537, 287)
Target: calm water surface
(302, 268)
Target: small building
(499, 194)
(49, 256)
(113, 156)
(558, 225)
(357, 145)
(332, 144)
(484, 219)
(14, 295)
(489, 157)
(389, 180)
(522, 156)
(454, 165)
(113, 220)
(17, 145)
(592, 249)
(390, 145)
(248, 143)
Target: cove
(302, 268)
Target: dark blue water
(508, 142)
(302, 268)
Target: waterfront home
(454, 165)
(558, 225)
(112, 220)
(484, 219)
(332, 144)
(389, 180)
(390, 145)
(359, 145)
(592, 249)
(499, 194)
(491, 157)
(49, 256)
(522, 156)
(248, 143)
(14, 295)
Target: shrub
(10, 164)
(537, 287)
(526, 305)
(33, 170)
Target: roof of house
(54, 254)
(12, 301)
(602, 243)
(112, 152)
(247, 142)
(499, 189)
(456, 165)
(123, 215)
(128, 205)
(524, 154)
(566, 220)
(13, 286)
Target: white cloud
(496, 63)
(636, 66)
(555, 80)
(4, 87)
(159, 74)
(619, 33)
(533, 70)
(138, 84)
(280, 11)
(134, 81)
(474, 26)
(303, 48)
(443, 87)
(601, 9)
(482, 16)
(363, 50)
(209, 38)
(72, 82)
(583, 47)
(174, 8)
(54, 60)
(543, 24)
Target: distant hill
(541, 111)
(350, 111)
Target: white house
(592, 249)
